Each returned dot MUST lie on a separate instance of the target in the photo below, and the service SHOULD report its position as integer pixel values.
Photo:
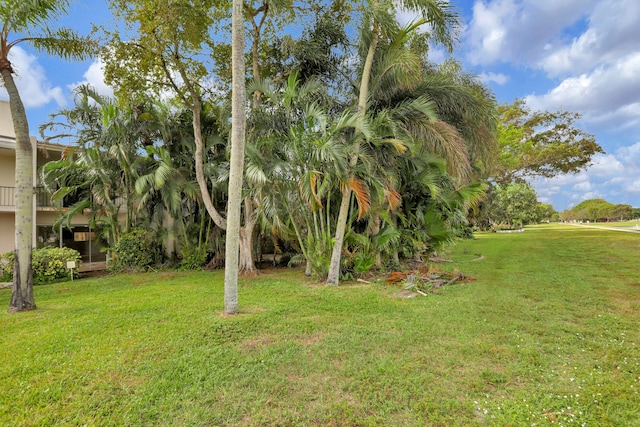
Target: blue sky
(576, 55)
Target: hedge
(49, 264)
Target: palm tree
(301, 154)
(237, 159)
(102, 171)
(379, 22)
(32, 18)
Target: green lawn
(547, 335)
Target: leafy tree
(513, 204)
(32, 19)
(165, 56)
(592, 209)
(540, 144)
(101, 171)
(621, 212)
(546, 212)
(301, 152)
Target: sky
(581, 56)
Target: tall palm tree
(379, 22)
(238, 120)
(31, 18)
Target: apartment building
(80, 237)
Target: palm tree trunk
(22, 291)
(237, 160)
(246, 263)
(333, 277)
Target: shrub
(506, 227)
(136, 250)
(49, 264)
(193, 258)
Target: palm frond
(361, 191)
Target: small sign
(71, 264)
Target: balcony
(43, 200)
(8, 197)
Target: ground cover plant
(547, 334)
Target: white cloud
(605, 165)
(591, 195)
(31, 80)
(613, 32)
(583, 186)
(610, 93)
(497, 78)
(631, 156)
(590, 45)
(520, 30)
(634, 187)
(94, 76)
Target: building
(80, 237)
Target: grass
(547, 335)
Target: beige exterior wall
(6, 124)
(48, 217)
(7, 168)
(7, 232)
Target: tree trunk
(22, 291)
(237, 160)
(308, 271)
(333, 277)
(247, 265)
(199, 160)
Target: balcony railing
(8, 197)
(43, 198)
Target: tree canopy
(598, 210)
(540, 143)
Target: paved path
(627, 230)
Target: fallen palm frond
(425, 279)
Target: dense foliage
(49, 265)
(512, 206)
(361, 153)
(136, 250)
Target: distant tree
(622, 212)
(568, 215)
(540, 143)
(32, 18)
(546, 212)
(593, 210)
(513, 204)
